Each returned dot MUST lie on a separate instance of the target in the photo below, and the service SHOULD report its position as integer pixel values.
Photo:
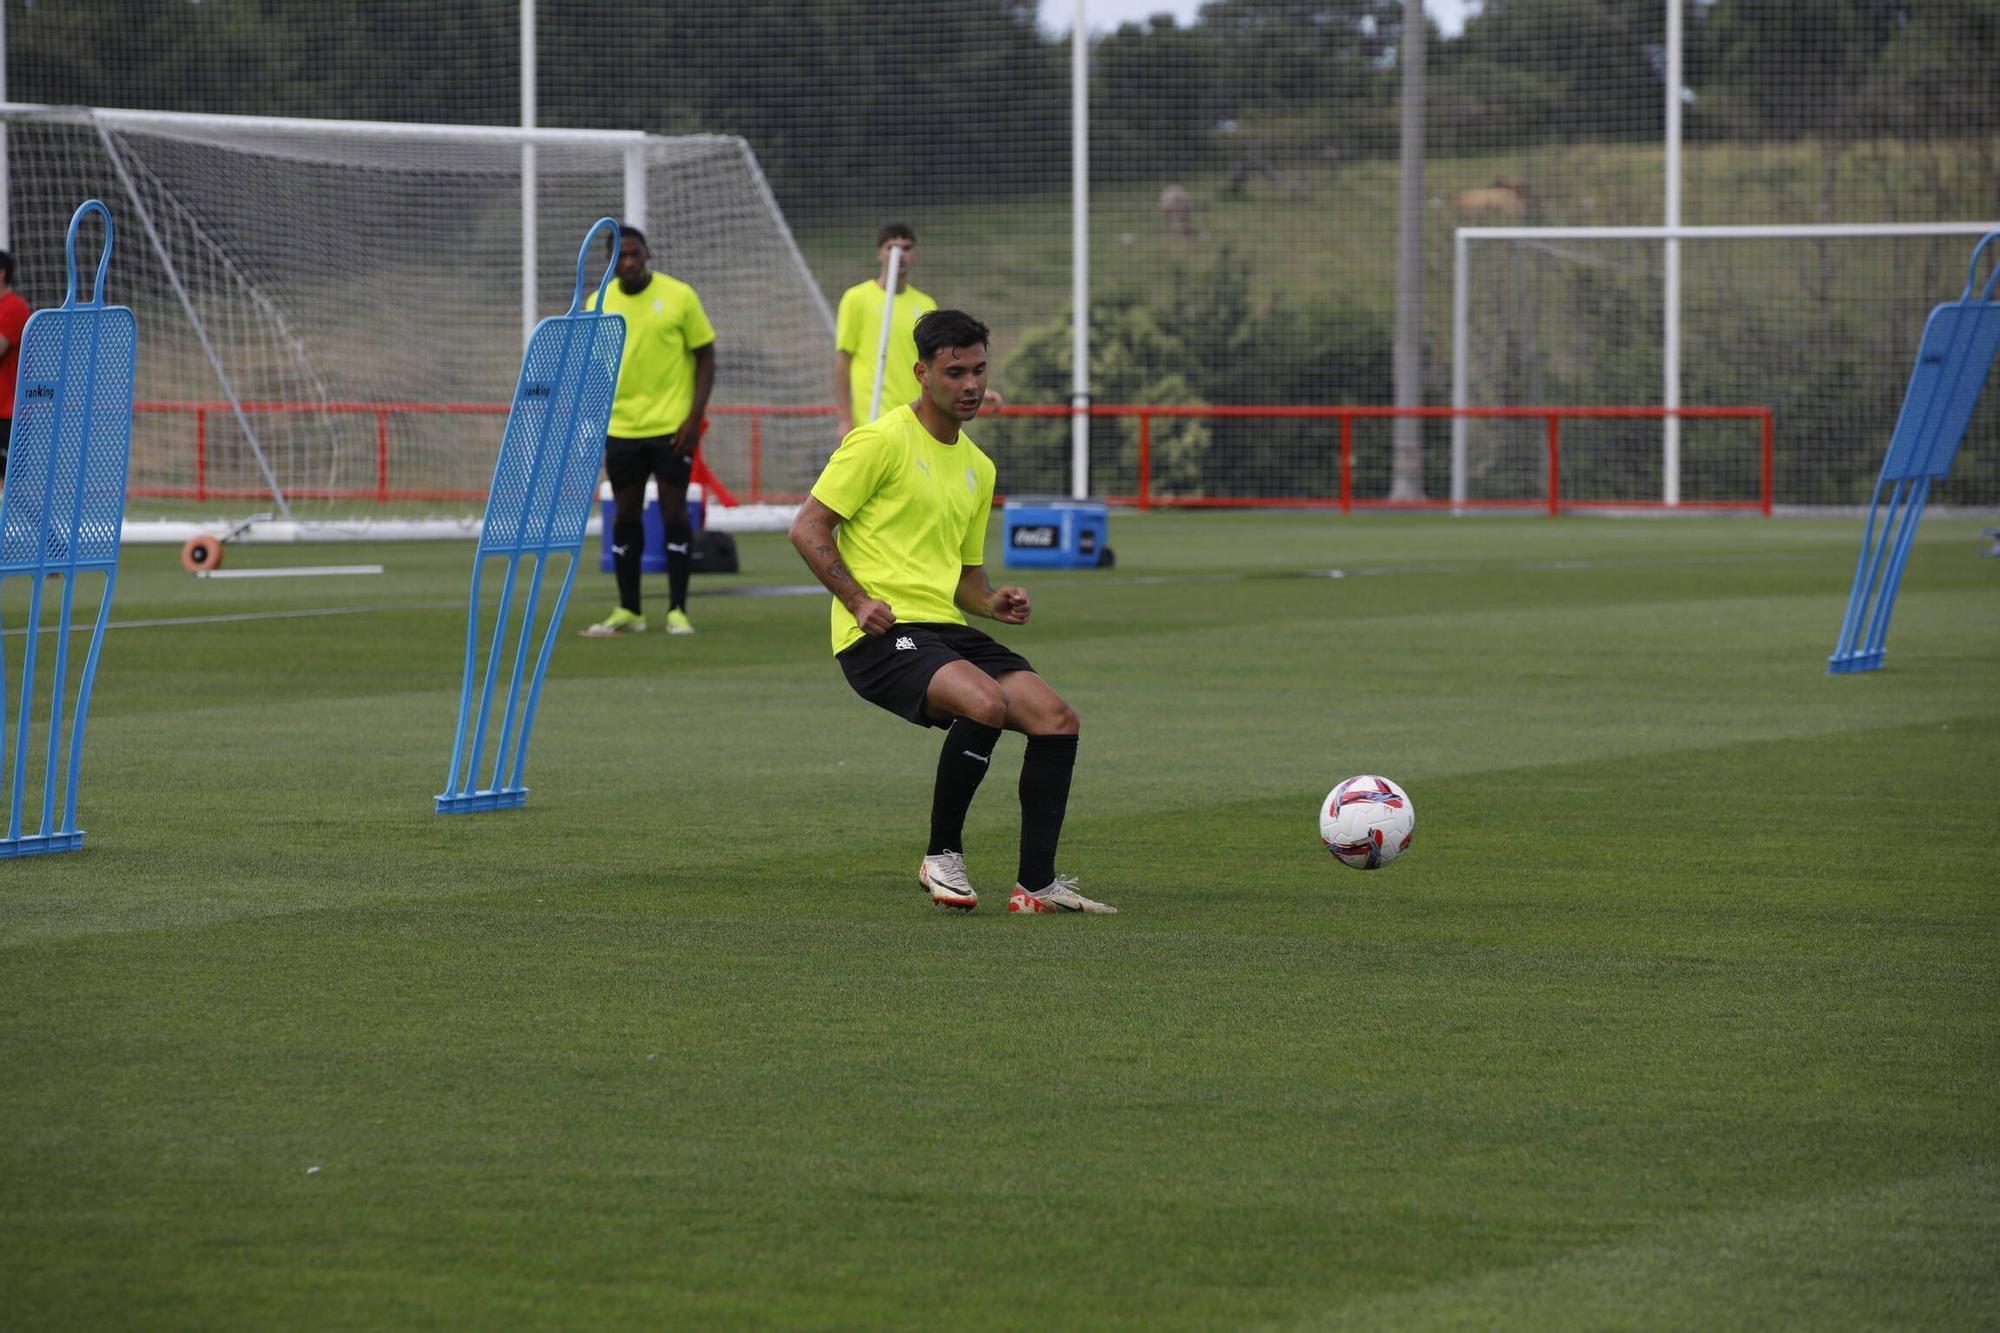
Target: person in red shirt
(13, 318)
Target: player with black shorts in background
(664, 379)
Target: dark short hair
(635, 234)
(947, 328)
(895, 231)
(6, 267)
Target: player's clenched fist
(1010, 604)
(874, 617)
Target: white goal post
(331, 312)
(1816, 322)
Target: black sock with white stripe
(962, 764)
(628, 549)
(679, 534)
(1045, 775)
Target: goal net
(1818, 324)
(331, 314)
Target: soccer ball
(1367, 822)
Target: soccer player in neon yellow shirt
(857, 332)
(895, 528)
(857, 335)
(664, 381)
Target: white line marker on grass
(283, 572)
(234, 617)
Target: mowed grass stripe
(1774, 1266)
(1274, 1119)
(811, 799)
(680, 1043)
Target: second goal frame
(1671, 330)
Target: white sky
(1449, 15)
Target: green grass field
(1683, 1010)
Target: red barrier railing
(381, 491)
(1142, 497)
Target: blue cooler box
(654, 559)
(1050, 532)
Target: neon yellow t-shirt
(913, 515)
(664, 324)
(858, 332)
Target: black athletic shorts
(893, 670)
(628, 462)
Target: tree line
(826, 91)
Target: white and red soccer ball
(1367, 822)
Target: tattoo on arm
(832, 565)
(813, 537)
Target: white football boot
(1059, 896)
(943, 877)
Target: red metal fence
(1142, 496)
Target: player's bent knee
(985, 717)
(962, 690)
(1062, 721)
(988, 710)
(1034, 709)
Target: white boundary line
(168, 621)
(283, 571)
(813, 589)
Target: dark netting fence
(1243, 235)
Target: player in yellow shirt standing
(664, 381)
(909, 495)
(857, 332)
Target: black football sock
(1045, 774)
(962, 764)
(679, 535)
(628, 549)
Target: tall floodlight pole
(1079, 242)
(1670, 296)
(528, 219)
(1406, 458)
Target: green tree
(1154, 96)
(825, 91)
(1937, 75)
(1136, 357)
(1527, 71)
(1203, 342)
(1800, 68)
